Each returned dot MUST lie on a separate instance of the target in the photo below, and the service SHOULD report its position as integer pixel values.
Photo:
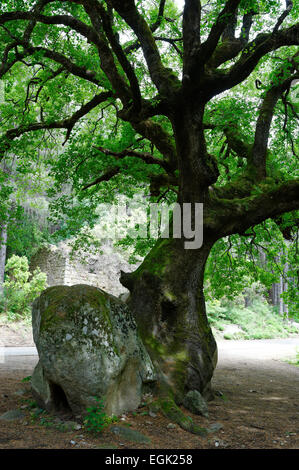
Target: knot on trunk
(126, 279)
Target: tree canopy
(65, 64)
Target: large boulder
(88, 347)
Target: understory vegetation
(259, 321)
(20, 289)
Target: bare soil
(257, 406)
(15, 334)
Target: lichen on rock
(88, 347)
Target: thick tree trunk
(167, 296)
(197, 168)
(168, 303)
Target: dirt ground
(257, 407)
(15, 334)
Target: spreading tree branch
(191, 30)
(163, 78)
(203, 53)
(107, 176)
(251, 55)
(289, 6)
(251, 211)
(263, 124)
(121, 56)
(67, 123)
(144, 156)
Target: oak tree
(204, 97)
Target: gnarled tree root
(170, 410)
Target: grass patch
(295, 362)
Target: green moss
(159, 258)
(178, 376)
(155, 346)
(171, 411)
(181, 356)
(64, 305)
(169, 295)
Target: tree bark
(168, 303)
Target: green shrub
(96, 419)
(20, 288)
(259, 321)
(295, 362)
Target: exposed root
(171, 411)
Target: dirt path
(257, 406)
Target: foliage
(20, 287)
(26, 379)
(43, 418)
(26, 236)
(239, 262)
(96, 419)
(259, 321)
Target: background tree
(23, 208)
(178, 83)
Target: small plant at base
(111, 419)
(26, 379)
(96, 419)
(30, 404)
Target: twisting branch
(37, 9)
(163, 78)
(251, 55)
(121, 56)
(92, 34)
(65, 20)
(105, 177)
(246, 27)
(232, 46)
(159, 19)
(289, 6)
(108, 64)
(260, 146)
(153, 27)
(191, 30)
(172, 42)
(155, 133)
(254, 210)
(145, 156)
(202, 54)
(67, 123)
(72, 67)
(230, 29)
